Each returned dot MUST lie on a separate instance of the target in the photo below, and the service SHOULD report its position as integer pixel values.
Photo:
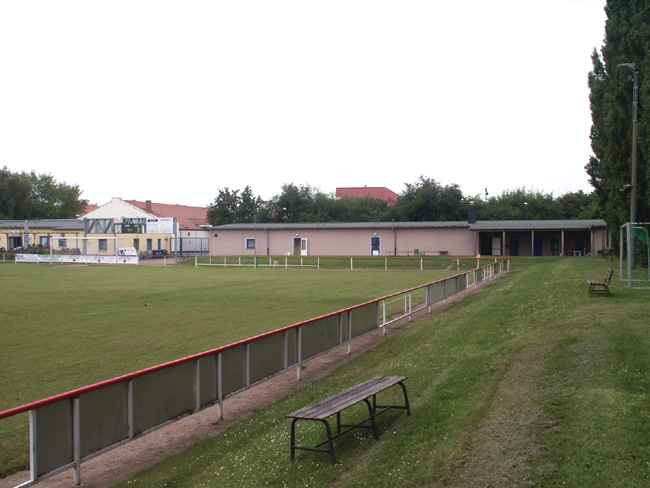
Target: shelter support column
(591, 242)
(503, 243)
(562, 242)
(532, 242)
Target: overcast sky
(169, 101)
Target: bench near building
(456, 238)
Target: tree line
(37, 196)
(627, 40)
(424, 200)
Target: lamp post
(635, 137)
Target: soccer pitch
(66, 326)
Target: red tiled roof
(190, 218)
(89, 208)
(378, 192)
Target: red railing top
(192, 357)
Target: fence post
(225, 261)
(33, 446)
(317, 262)
(254, 261)
(210, 260)
(299, 358)
(383, 317)
(238, 260)
(220, 384)
(286, 262)
(301, 260)
(351, 264)
(196, 261)
(457, 264)
(197, 385)
(385, 263)
(410, 295)
(429, 299)
(421, 263)
(76, 440)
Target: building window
(103, 244)
(44, 241)
(136, 244)
(15, 242)
(149, 245)
(249, 243)
(63, 243)
(159, 244)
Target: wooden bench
(601, 287)
(334, 405)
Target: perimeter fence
(72, 427)
(350, 263)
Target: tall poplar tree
(627, 40)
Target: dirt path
(498, 453)
(125, 461)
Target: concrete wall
(344, 242)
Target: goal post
(634, 254)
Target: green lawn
(530, 383)
(67, 326)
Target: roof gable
(117, 208)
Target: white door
(303, 246)
(496, 246)
(375, 246)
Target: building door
(297, 243)
(538, 246)
(514, 247)
(375, 246)
(496, 246)
(303, 246)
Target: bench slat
(341, 401)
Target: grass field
(530, 383)
(67, 326)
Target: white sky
(168, 101)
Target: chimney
(471, 215)
(147, 205)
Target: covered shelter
(540, 237)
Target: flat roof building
(455, 238)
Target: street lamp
(635, 137)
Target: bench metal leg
(338, 422)
(371, 412)
(293, 439)
(406, 398)
(330, 443)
